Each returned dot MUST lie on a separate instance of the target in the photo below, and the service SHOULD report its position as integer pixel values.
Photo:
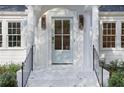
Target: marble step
(62, 80)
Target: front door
(62, 38)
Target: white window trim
(118, 22)
(5, 33)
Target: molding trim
(13, 13)
(111, 13)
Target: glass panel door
(62, 40)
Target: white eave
(111, 13)
(13, 13)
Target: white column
(95, 27)
(88, 44)
(118, 35)
(31, 27)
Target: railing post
(102, 77)
(22, 73)
(32, 58)
(93, 58)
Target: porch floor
(61, 76)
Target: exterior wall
(117, 52)
(13, 54)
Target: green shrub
(9, 68)
(116, 79)
(8, 80)
(8, 75)
(3, 69)
(13, 68)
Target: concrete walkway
(61, 76)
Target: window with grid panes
(122, 35)
(14, 34)
(0, 34)
(109, 32)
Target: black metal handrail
(97, 68)
(27, 67)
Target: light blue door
(62, 41)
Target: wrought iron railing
(27, 67)
(96, 67)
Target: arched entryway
(54, 45)
(58, 42)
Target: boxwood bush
(116, 79)
(116, 74)
(8, 79)
(8, 75)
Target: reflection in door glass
(66, 27)
(58, 42)
(66, 42)
(58, 26)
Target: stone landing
(62, 76)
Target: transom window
(0, 34)
(122, 35)
(109, 32)
(14, 34)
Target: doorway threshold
(62, 63)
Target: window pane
(104, 25)
(104, 32)
(122, 38)
(104, 44)
(0, 31)
(14, 31)
(113, 38)
(10, 38)
(58, 42)
(109, 31)
(122, 44)
(0, 44)
(113, 31)
(0, 28)
(58, 26)
(10, 44)
(18, 38)
(14, 44)
(113, 25)
(9, 25)
(109, 25)
(18, 25)
(10, 31)
(18, 31)
(113, 44)
(104, 38)
(108, 38)
(14, 38)
(0, 38)
(18, 44)
(66, 26)
(66, 42)
(14, 25)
